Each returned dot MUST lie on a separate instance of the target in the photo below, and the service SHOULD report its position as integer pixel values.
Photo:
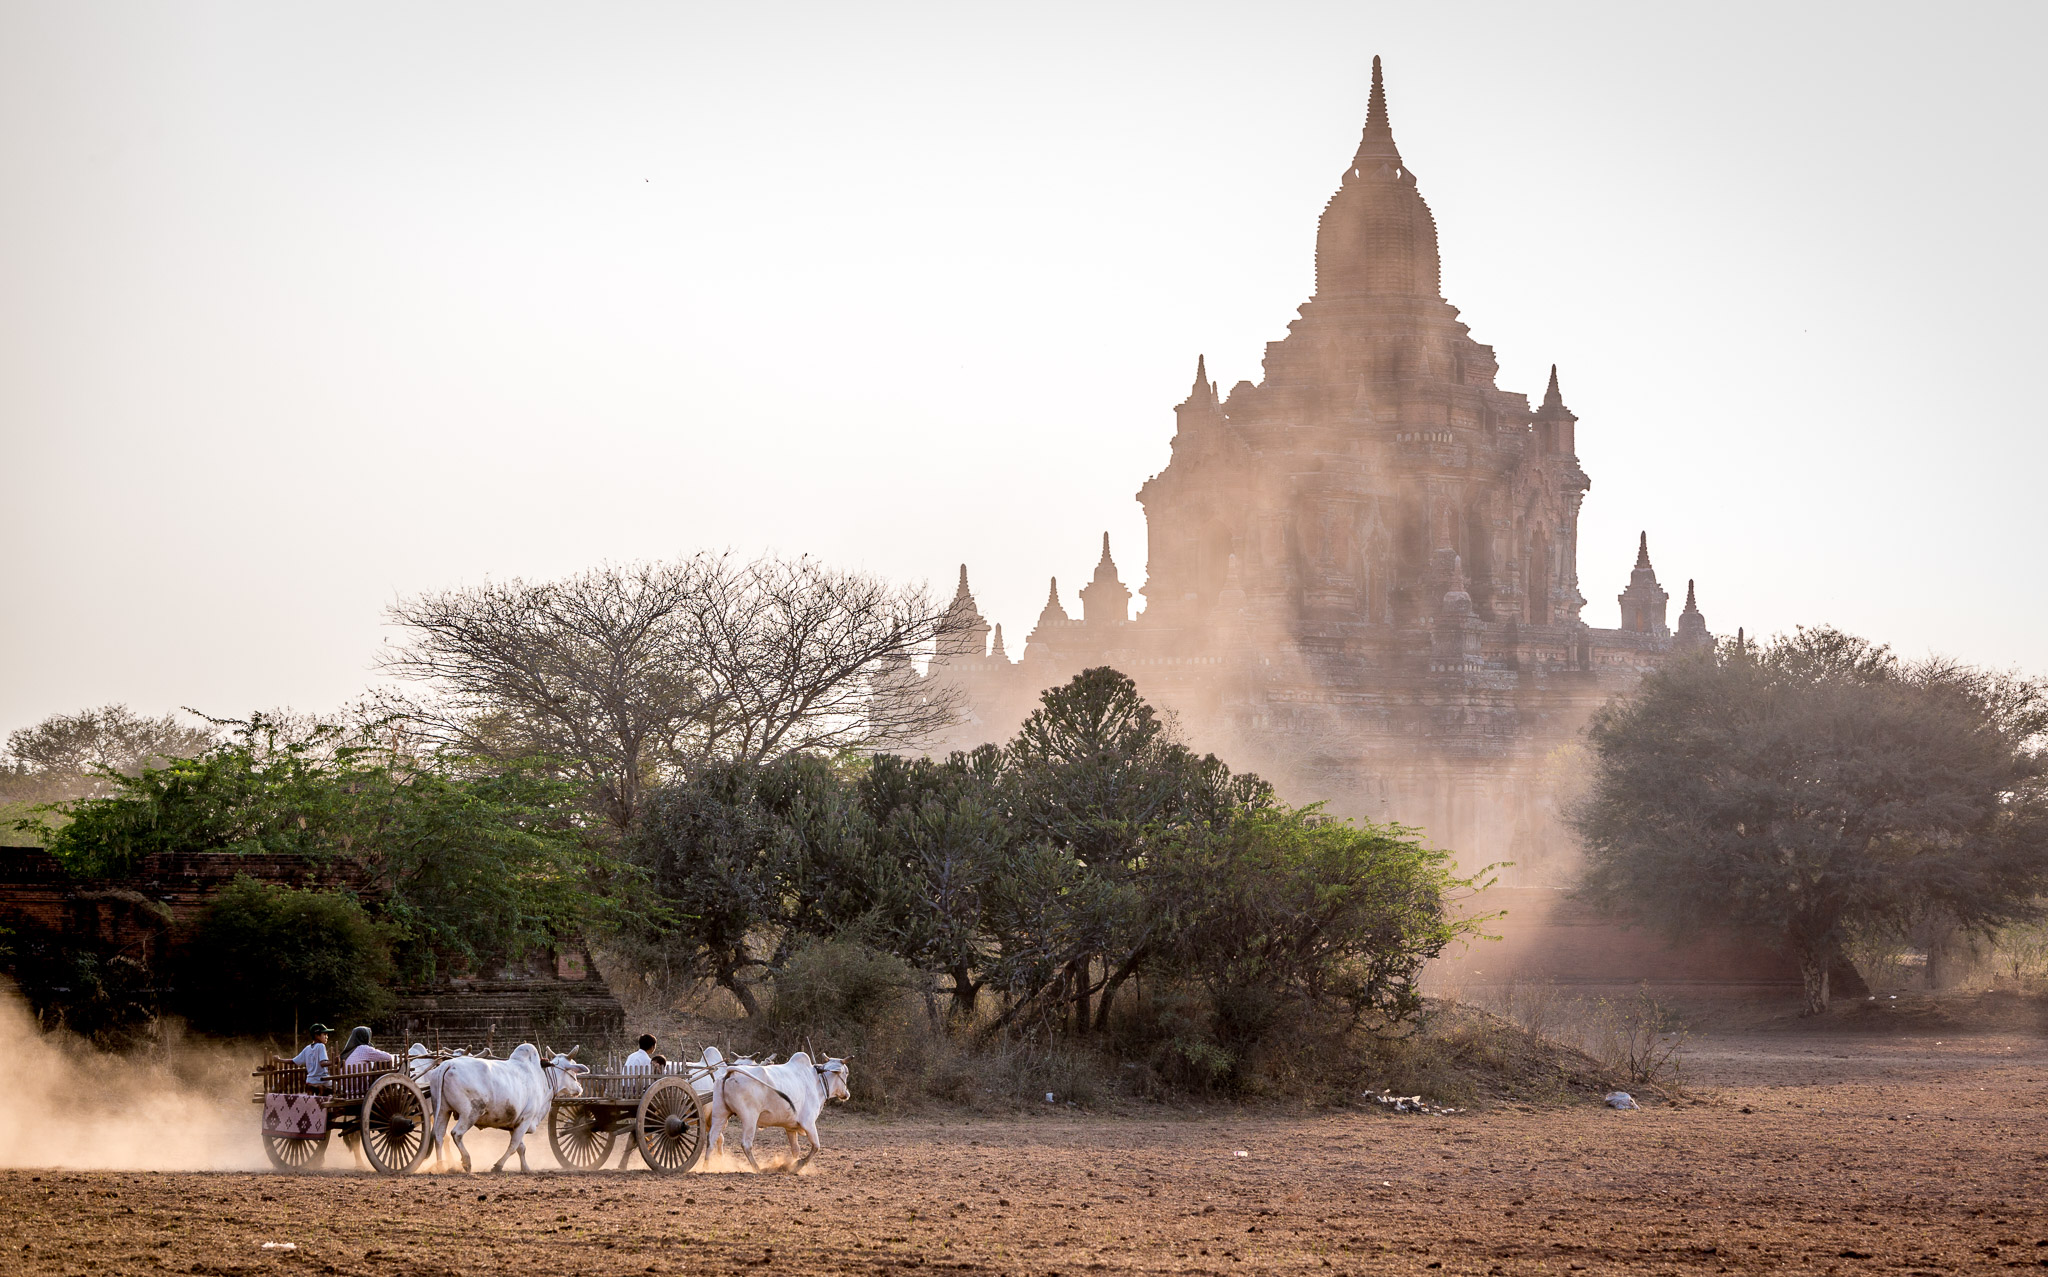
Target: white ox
(513, 1094)
(789, 1095)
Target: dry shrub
(876, 1010)
(1636, 1039)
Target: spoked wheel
(580, 1143)
(669, 1126)
(294, 1153)
(394, 1126)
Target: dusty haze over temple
(1363, 574)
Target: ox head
(561, 1070)
(833, 1074)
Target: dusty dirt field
(1831, 1153)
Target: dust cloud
(67, 1105)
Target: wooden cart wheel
(394, 1126)
(580, 1142)
(669, 1125)
(287, 1153)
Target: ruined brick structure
(1362, 574)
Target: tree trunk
(964, 990)
(1080, 969)
(1814, 963)
(729, 980)
(1116, 982)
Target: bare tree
(65, 756)
(632, 675)
(595, 671)
(805, 658)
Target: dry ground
(1875, 1151)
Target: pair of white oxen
(515, 1094)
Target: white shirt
(639, 1062)
(365, 1054)
(314, 1058)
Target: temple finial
(1376, 108)
(1643, 551)
(996, 651)
(962, 594)
(1204, 392)
(1105, 548)
(1691, 604)
(1553, 398)
(1376, 147)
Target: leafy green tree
(1815, 786)
(463, 865)
(1287, 907)
(264, 958)
(711, 855)
(71, 756)
(942, 841)
(257, 792)
(1095, 776)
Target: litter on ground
(1621, 1100)
(1408, 1103)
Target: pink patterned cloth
(294, 1116)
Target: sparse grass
(1636, 1039)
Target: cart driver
(638, 1062)
(315, 1058)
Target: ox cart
(665, 1112)
(378, 1108)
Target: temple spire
(996, 651)
(1105, 599)
(1053, 611)
(1692, 626)
(1376, 146)
(1644, 601)
(1204, 392)
(963, 631)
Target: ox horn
(575, 1051)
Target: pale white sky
(306, 307)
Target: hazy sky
(303, 308)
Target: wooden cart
(665, 1112)
(375, 1107)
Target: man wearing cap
(314, 1059)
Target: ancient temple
(1362, 572)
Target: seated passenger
(314, 1059)
(359, 1052)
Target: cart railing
(343, 1085)
(625, 1086)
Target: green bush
(265, 958)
